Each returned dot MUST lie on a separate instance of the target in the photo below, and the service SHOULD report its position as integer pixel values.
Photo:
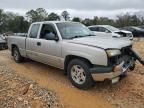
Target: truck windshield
(111, 28)
(71, 30)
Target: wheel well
(71, 57)
(12, 47)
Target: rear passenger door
(32, 42)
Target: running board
(137, 56)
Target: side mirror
(51, 36)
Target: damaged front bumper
(113, 74)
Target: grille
(125, 56)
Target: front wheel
(79, 74)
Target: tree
(39, 14)
(95, 20)
(1, 19)
(87, 22)
(53, 17)
(76, 19)
(127, 20)
(18, 25)
(65, 15)
(11, 22)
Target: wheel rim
(16, 56)
(78, 74)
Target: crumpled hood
(102, 42)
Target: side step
(137, 56)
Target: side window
(47, 32)
(94, 28)
(34, 31)
(102, 29)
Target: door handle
(38, 43)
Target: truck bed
(19, 41)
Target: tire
(16, 55)
(132, 67)
(79, 74)
(0, 46)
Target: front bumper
(116, 71)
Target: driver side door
(49, 50)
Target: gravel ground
(18, 92)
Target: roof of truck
(98, 26)
(54, 22)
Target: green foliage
(39, 14)
(128, 20)
(65, 15)
(10, 22)
(53, 17)
(18, 24)
(76, 19)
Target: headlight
(112, 53)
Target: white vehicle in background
(107, 30)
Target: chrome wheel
(78, 74)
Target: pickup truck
(71, 46)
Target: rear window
(34, 30)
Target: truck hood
(101, 42)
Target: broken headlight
(113, 52)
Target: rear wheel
(2, 46)
(79, 74)
(16, 55)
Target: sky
(80, 8)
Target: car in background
(107, 30)
(142, 27)
(137, 32)
(3, 43)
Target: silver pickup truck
(71, 46)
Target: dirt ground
(128, 93)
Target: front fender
(96, 56)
